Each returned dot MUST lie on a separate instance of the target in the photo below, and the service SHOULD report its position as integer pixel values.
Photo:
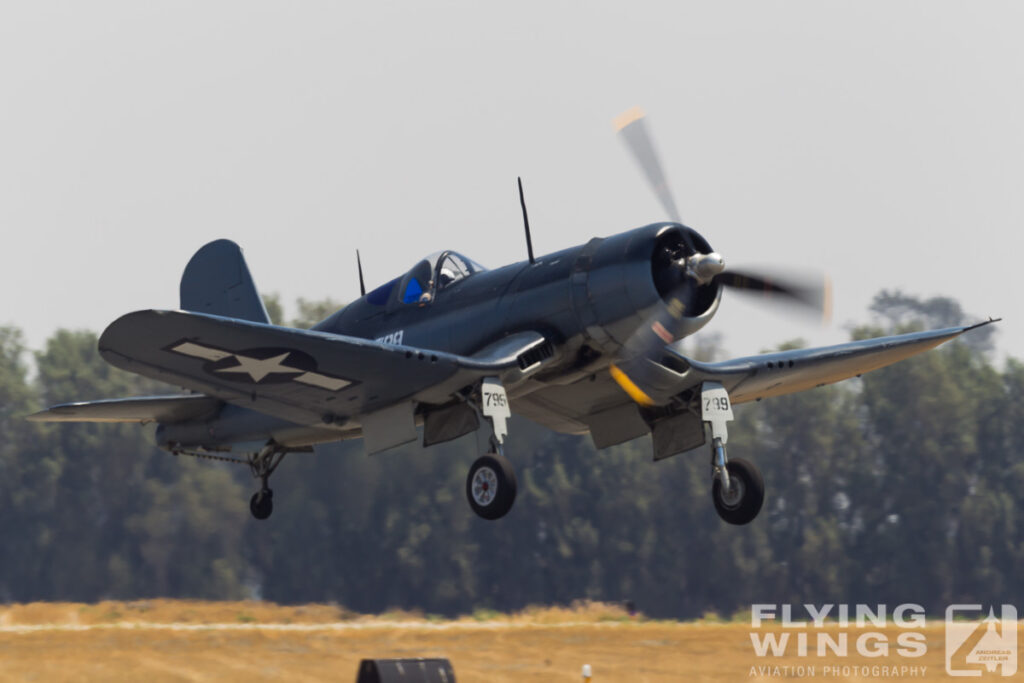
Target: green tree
(28, 474)
(275, 311)
(313, 311)
(122, 514)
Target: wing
(303, 376)
(163, 409)
(787, 372)
(599, 405)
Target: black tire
(261, 505)
(491, 486)
(742, 507)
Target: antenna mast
(526, 222)
(362, 285)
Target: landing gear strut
(262, 465)
(737, 487)
(491, 483)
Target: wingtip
(41, 416)
(983, 323)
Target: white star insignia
(258, 369)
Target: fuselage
(593, 295)
(587, 301)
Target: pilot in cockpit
(446, 274)
(452, 268)
(423, 282)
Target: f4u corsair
(584, 340)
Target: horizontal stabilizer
(217, 282)
(162, 409)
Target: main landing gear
(491, 483)
(737, 487)
(737, 490)
(262, 465)
(491, 486)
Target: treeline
(904, 486)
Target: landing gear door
(494, 404)
(716, 409)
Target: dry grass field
(167, 640)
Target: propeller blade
(634, 372)
(634, 132)
(637, 370)
(624, 374)
(660, 328)
(810, 295)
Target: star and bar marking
(259, 369)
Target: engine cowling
(621, 282)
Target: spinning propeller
(687, 267)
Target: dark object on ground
(405, 671)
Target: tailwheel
(491, 486)
(261, 505)
(740, 499)
(262, 464)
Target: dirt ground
(191, 641)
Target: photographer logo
(984, 645)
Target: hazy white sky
(879, 141)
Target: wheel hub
(732, 496)
(485, 486)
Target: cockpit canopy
(427, 278)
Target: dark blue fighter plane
(584, 340)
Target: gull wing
(787, 372)
(304, 376)
(599, 405)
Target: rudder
(217, 281)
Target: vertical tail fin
(217, 281)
